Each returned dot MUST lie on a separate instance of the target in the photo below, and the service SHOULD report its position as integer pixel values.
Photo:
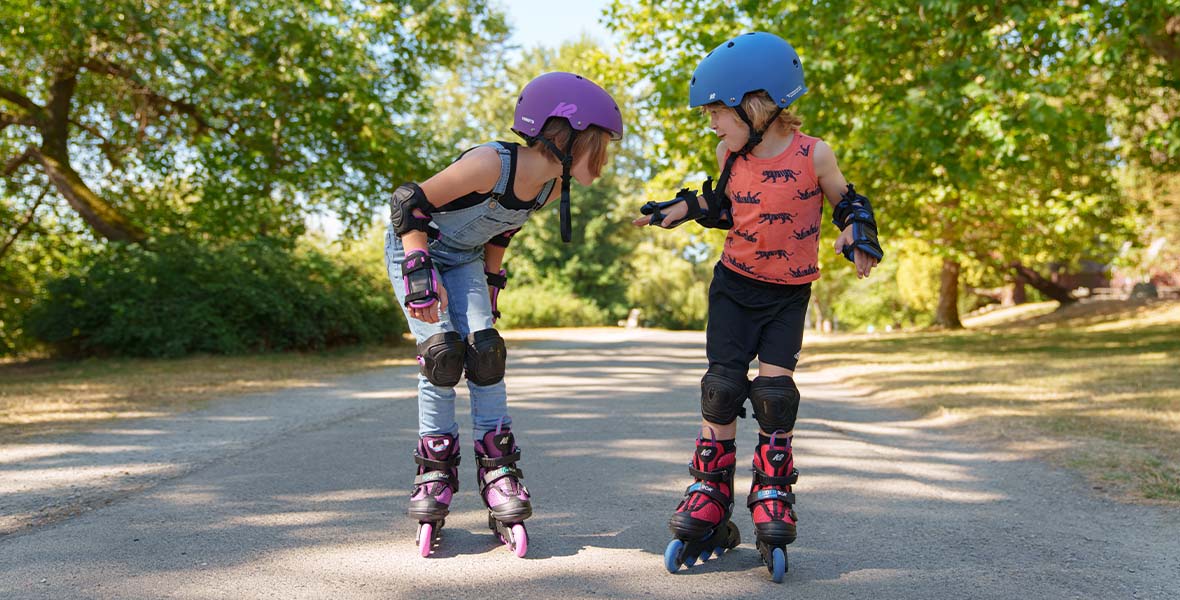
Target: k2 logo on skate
(784, 174)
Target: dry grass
(44, 396)
(1096, 385)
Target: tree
(982, 130)
(230, 118)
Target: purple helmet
(571, 97)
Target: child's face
(729, 128)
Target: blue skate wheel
(689, 561)
(778, 566)
(672, 555)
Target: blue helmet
(748, 63)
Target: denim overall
(458, 256)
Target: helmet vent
(693, 82)
(729, 45)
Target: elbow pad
(409, 210)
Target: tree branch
(15, 162)
(22, 226)
(140, 87)
(20, 100)
(109, 150)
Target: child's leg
(730, 345)
(438, 350)
(495, 446)
(775, 399)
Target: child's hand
(672, 215)
(430, 314)
(864, 263)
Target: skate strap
(489, 462)
(717, 476)
(770, 494)
(431, 463)
(762, 478)
(496, 475)
(701, 487)
(435, 476)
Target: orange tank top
(777, 208)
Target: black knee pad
(441, 358)
(486, 355)
(776, 402)
(723, 395)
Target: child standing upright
(444, 251)
(770, 194)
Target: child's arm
(835, 187)
(410, 211)
(493, 269)
(706, 208)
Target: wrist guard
(496, 282)
(409, 210)
(418, 277)
(855, 210)
(714, 213)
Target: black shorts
(749, 318)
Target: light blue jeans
(469, 308)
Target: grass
(47, 396)
(1095, 386)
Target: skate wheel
(689, 561)
(672, 555)
(706, 555)
(778, 565)
(425, 538)
(520, 540)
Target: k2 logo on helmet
(564, 110)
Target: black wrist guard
(855, 210)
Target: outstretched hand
(673, 215)
(864, 263)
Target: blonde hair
(591, 143)
(759, 106)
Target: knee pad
(723, 395)
(441, 358)
(486, 355)
(776, 402)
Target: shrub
(182, 297)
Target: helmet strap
(753, 141)
(567, 162)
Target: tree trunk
(948, 296)
(1046, 287)
(54, 156)
(98, 214)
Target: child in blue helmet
(444, 252)
(769, 196)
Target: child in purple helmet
(445, 250)
(770, 197)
